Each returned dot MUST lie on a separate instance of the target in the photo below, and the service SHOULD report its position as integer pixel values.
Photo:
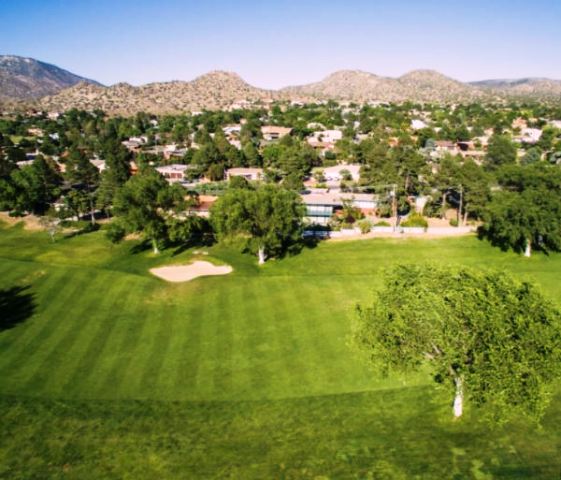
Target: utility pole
(394, 205)
(461, 206)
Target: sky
(272, 44)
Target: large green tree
(147, 204)
(526, 212)
(500, 151)
(523, 220)
(31, 188)
(490, 339)
(269, 218)
(84, 176)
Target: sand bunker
(184, 273)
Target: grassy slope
(246, 375)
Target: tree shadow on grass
(88, 228)
(203, 241)
(17, 304)
(140, 247)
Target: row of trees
(265, 220)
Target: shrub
(382, 223)
(385, 210)
(365, 226)
(415, 220)
(90, 227)
(453, 222)
(115, 233)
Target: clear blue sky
(284, 42)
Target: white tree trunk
(155, 247)
(261, 255)
(459, 398)
(528, 251)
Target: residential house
(327, 136)
(417, 124)
(335, 175)
(272, 132)
(529, 135)
(204, 202)
(240, 105)
(134, 144)
(324, 140)
(173, 173)
(320, 207)
(232, 133)
(99, 164)
(35, 132)
(24, 163)
(234, 129)
(519, 123)
(252, 174)
(446, 146)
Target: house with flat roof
(529, 135)
(320, 207)
(204, 203)
(273, 132)
(99, 164)
(336, 173)
(173, 173)
(252, 174)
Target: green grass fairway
(110, 372)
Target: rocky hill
(526, 88)
(25, 78)
(431, 86)
(214, 90)
(352, 85)
(419, 86)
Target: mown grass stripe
(292, 372)
(98, 331)
(13, 273)
(151, 318)
(311, 339)
(205, 373)
(58, 349)
(157, 348)
(32, 340)
(127, 338)
(254, 292)
(109, 353)
(242, 330)
(222, 375)
(190, 351)
(171, 361)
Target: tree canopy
(147, 204)
(500, 151)
(486, 337)
(526, 212)
(269, 217)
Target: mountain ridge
(25, 78)
(219, 89)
